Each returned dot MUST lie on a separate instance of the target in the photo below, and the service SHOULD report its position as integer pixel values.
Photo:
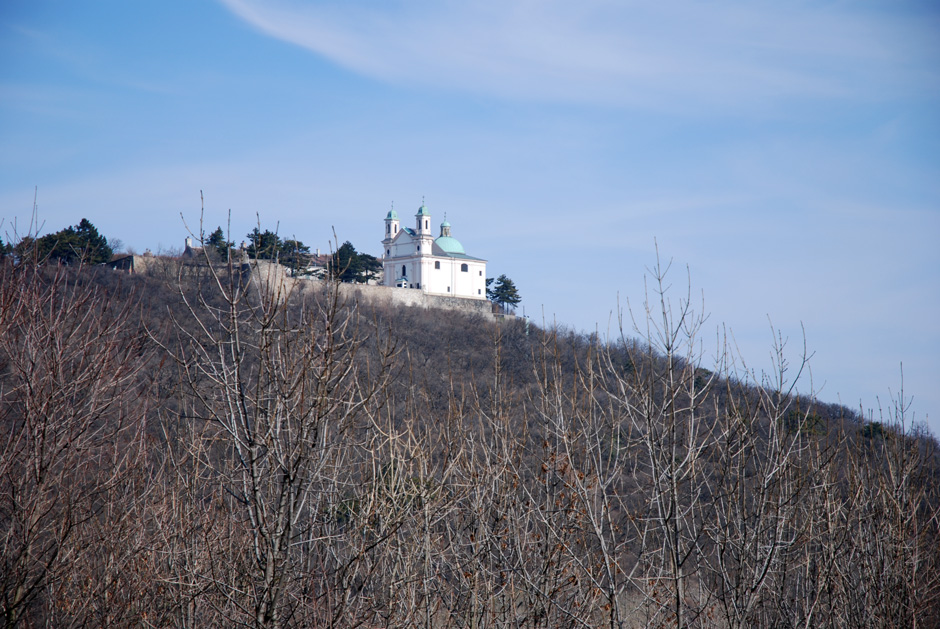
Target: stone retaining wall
(414, 297)
(269, 272)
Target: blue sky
(787, 153)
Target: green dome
(392, 215)
(449, 244)
(423, 211)
(445, 223)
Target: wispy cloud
(714, 54)
(84, 60)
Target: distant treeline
(192, 449)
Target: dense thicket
(198, 447)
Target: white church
(414, 258)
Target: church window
(464, 268)
(425, 223)
(481, 273)
(403, 271)
(448, 289)
(437, 264)
(388, 252)
(388, 229)
(479, 292)
(418, 285)
(419, 247)
(396, 229)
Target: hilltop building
(413, 258)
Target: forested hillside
(193, 448)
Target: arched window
(404, 273)
(437, 264)
(464, 268)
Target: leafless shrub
(72, 409)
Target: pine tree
(294, 254)
(504, 293)
(217, 242)
(345, 265)
(77, 244)
(263, 245)
(348, 265)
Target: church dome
(423, 211)
(392, 215)
(449, 244)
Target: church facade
(414, 258)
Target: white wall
(448, 280)
(470, 283)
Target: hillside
(194, 446)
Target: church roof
(392, 215)
(423, 211)
(449, 244)
(442, 246)
(460, 256)
(440, 252)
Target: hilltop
(205, 444)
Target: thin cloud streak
(719, 55)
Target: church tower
(391, 226)
(423, 221)
(424, 240)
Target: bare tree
(71, 419)
(277, 378)
(894, 517)
(281, 463)
(672, 432)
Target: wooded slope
(193, 448)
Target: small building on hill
(414, 258)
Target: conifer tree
(72, 245)
(217, 242)
(504, 293)
(348, 265)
